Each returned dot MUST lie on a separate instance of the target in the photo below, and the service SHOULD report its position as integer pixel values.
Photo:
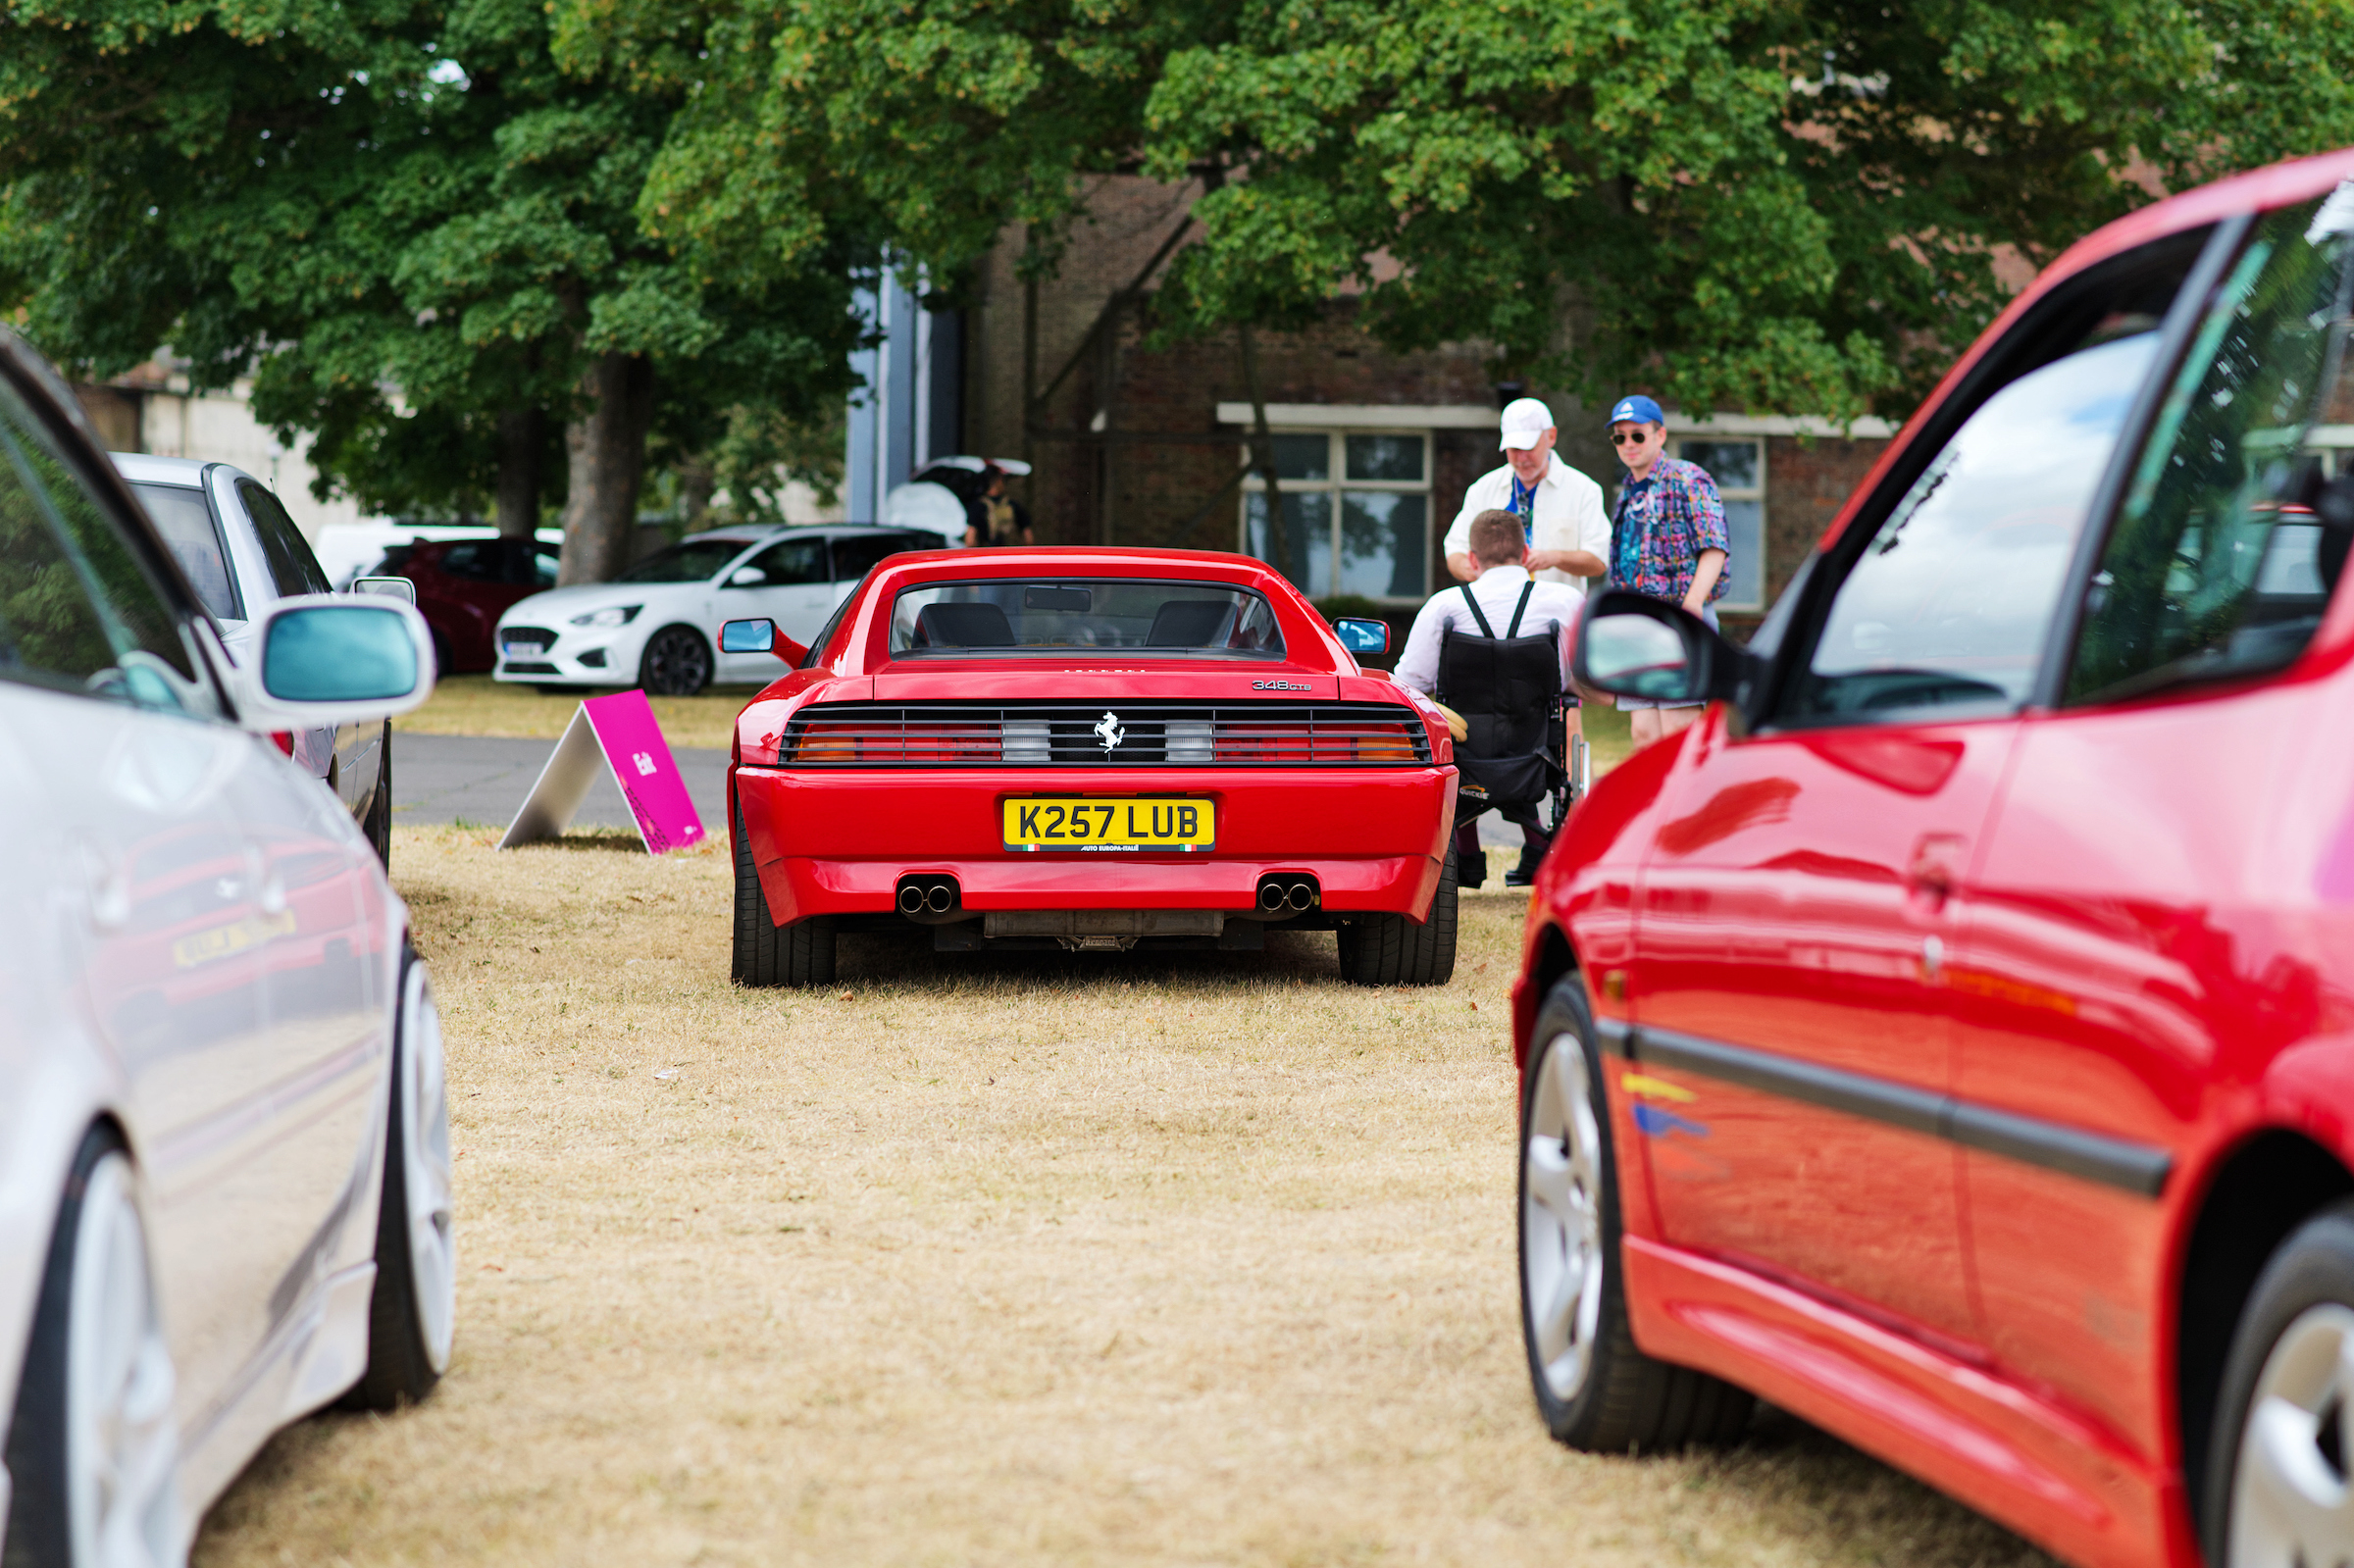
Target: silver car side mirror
(400, 588)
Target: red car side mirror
(760, 636)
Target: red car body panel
(2144, 920)
(837, 842)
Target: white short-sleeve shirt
(1568, 515)
(1550, 608)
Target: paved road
(481, 779)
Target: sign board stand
(619, 731)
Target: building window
(1738, 466)
(1356, 512)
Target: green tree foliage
(1764, 203)
(418, 233)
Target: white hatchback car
(656, 626)
(224, 1172)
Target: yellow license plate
(1169, 822)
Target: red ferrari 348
(1088, 749)
(1951, 1035)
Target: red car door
(1795, 917)
(2138, 937)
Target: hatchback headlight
(616, 614)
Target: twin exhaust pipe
(938, 901)
(1293, 895)
(928, 897)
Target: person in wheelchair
(1496, 650)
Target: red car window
(1948, 606)
(2218, 565)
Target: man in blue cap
(1667, 539)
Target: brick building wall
(1129, 449)
(1809, 479)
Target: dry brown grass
(1081, 1260)
(477, 705)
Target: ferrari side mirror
(760, 636)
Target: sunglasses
(1622, 438)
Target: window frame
(1787, 637)
(1336, 484)
(817, 543)
(1748, 493)
(2225, 258)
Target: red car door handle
(1935, 869)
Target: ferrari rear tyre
(93, 1451)
(1433, 958)
(412, 1314)
(1595, 1390)
(766, 953)
(1397, 950)
(2279, 1483)
(676, 662)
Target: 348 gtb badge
(1044, 747)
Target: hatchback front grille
(1136, 734)
(531, 639)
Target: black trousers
(1467, 852)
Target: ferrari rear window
(1018, 616)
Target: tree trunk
(521, 437)
(605, 449)
(698, 479)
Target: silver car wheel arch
(1562, 1256)
(2292, 1504)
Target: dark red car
(1951, 1036)
(463, 587)
(1088, 749)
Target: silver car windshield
(186, 521)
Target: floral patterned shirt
(1660, 526)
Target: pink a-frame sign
(621, 732)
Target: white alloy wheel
(424, 1128)
(2292, 1507)
(1561, 1218)
(121, 1443)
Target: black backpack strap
(1485, 630)
(1520, 609)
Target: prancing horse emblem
(1110, 730)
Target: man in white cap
(1561, 509)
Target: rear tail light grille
(1349, 735)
